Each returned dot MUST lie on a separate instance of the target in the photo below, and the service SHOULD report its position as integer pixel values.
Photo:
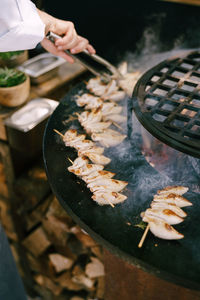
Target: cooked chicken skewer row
(105, 189)
(85, 147)
(166, 210)
(93, 174)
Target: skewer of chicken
(81, 168)
(162, 216)
(91, 173)
(72, 139)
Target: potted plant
(14, 87)
(12, 59)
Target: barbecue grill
(167, 102)
(161, 149)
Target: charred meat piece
(176, 189)
(96, 127)
(78, 163)
(114, 96)
(73, 142)
(97, 87)
(105, 198)
(165, 214)
(90, 116)
(108, 138)
(83, 145)
(115, 118)
(86, 169)
(104, 184)
(173, 199)
(87, 99)
(110, 108)
(93, 149)
(98, 158)
(69, 135)
(98, 175)
(161, 229)
(164, 205)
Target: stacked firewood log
(56, 259)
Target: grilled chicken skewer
(166, 210)
(105, 189)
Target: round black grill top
(166, 100)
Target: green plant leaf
(11, 77)
(10, 54)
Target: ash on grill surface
(167, 102)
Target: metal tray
(41, 67)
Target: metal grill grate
(167, 102)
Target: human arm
(23, 26)
(70, 39)
(20, 25)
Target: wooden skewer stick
(108, 201)
(58, 132)
(144, 236)
(70, 160)
(117, 125)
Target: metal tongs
(94, 63)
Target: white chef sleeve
(20, 25)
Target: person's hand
(69, 40)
